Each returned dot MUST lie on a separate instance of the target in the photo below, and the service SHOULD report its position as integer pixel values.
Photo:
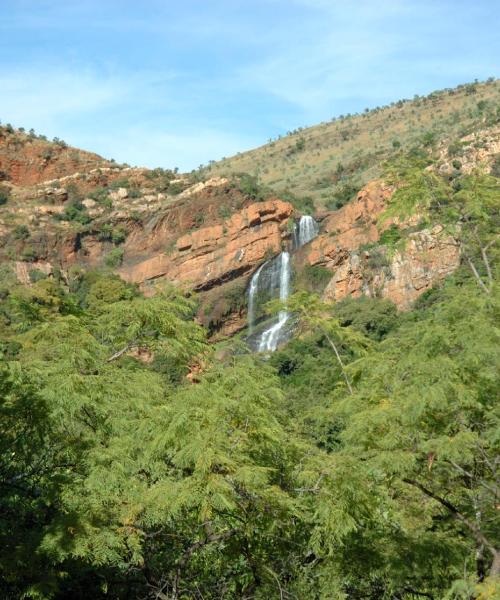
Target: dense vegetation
(360, 461)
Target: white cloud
(150, 147)
(42, 96)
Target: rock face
(428, 256)
(350, 227)
(25, 160)
(206, 236)
(476, 151)
(212, 255)
(427, 259)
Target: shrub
(224, 211)
(390, 236)
(100, 195)
(374, 317)
(4, 194)
(134, 193)
(28, 254)
(455, 148)
(21, 232)
(119, 235)
(315, 277)
(428, 139)
(120, 183)
(304, 205)
(105, 234)
(176, 188)
(495, 167)
(37, 275)
(377, 260)
(249, 185)
(114, 258)
(343, 195)
(299, 146)
(75, 211)
(199, 219)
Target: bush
(101, 196)
(224, 211)
(315, 277)
(343, 195)
(114, 258)
(109, 234)
(37, 275)
(377, 260)
(28, 254)
(119, 235)
(21, 232)
(176, 188)
(299, 146)
(455, 149)
(495, 167)
(429, 139)
(4, 194)
(250, 186)
(134, 192)
(390, 237)
(304, 205)
(75, 212)
(373, 317)
(105, 234)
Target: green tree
(422, 428)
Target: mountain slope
(331, 161)
(28, 159)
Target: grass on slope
(330, 161)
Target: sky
(178, 83)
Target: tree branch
(474, 529)
(121, 352)
(212, 538)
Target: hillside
(330, 162)
(27, 159)
(154, 443)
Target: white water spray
(272, 280)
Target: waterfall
(270, 337)
(271, 281)
(306, 230)
(252, 292)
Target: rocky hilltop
(65, 209)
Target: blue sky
(177, 83)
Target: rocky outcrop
(428, 257)
(350, 227)
(27, 160)
(401, 276)
(23, 270)
(211, 255)
(477, 150)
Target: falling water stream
(272, 280)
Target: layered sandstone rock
(214, 254)
(478, 151)
(27, 161)
(427, 258)
(350, 227)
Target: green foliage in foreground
(258, 479)
(359, 462)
